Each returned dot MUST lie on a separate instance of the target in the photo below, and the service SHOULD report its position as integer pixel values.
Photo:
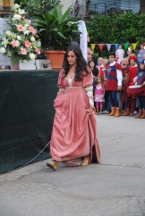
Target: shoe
(85, 161)
(105, 112)
(143, 115)
(127, 113)
(117, 114)
(52, 164)
(135, 112)
(113, 111)
(131, 113)
(139, 114)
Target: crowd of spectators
(132, 67)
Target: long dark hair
(81, 63)
(139, 70)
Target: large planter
(56, 57)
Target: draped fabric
(74, 131)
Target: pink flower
(20, 28)
(23, 51)
(27, 44)
(38, 51)
(32, 30)
(14, 43)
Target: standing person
(139, 89)
(120, 53)
(74, 138)
(95, 72)
(90, 53)
(133, 71)
(140, 53)
(125, 72)
(100, 67)
(99, 94)
(129, 52)
(114, 83)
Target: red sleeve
(118, 66)
(88, 80)
(60, 79)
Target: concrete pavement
(116, 187)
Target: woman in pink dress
(74, 136)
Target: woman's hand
(89, 111)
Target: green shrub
(124, 28)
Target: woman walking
(74, 138)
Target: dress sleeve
(60, 81)
(88, 86)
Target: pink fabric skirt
(74, 131)
(98, 98)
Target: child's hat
(133, 57)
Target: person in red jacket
(114, 84)
(133, 72)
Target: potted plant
(20, 41)
(56, 31)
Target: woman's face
(71, 58)
(92, 65)
(141, 66)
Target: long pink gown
(74, 131)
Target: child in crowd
(99, 94)
(140, 80)
(133, 71)
(104, 70)
(125, 72)
(120, 53)
(114, 83)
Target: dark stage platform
(26, 115)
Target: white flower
(8, 33)
(32, 56)
(17, 42)
(5, 41)
(16, 17)
(16, 6)
(21, 11)
(32, 39)
(19, 37)
(14, 35)
(26, 31)
(2, 50)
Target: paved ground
(116, 187)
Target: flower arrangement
(21, 41)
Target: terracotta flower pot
(56, 57)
